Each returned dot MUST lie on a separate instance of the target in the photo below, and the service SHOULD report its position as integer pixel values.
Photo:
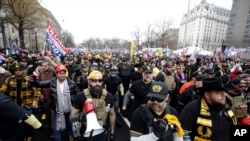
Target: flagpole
(43, 50)
(44, 45)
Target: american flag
(218, 49)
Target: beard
(218, 105)
(96, 91)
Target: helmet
(60, 68)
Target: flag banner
(226, 52)
(2, 59)
(54, 42)
(16, 49)
(218, 49)
(132, 50)
(248, 48)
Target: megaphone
(93, 126)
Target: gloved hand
(82, 117)
(124, 113)
(159, 127)
(174, 120)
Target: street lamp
(36, 40)
(2, 17)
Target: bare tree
(19, 13)
(149, 33)
(162, 31)
(67, 39)
(137, 34)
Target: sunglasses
(156, 99)
(96, 80)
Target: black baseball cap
(158, 90)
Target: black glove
(82, 117)
(159, 127)
(124, 113)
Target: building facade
(35, 29)
(238, 33)
(204, 26)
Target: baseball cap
(95, 73)
(209, 71)
(20, 66)
(146, 69)
(237, 81)
(200, 77)
(60, 68)
(158, 90)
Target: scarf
(63, 104)
(204, 122)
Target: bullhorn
(93, 126)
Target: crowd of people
(163, 98)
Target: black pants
(101, 137)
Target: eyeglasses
(96, 80)
(156, 99)
(113, 70)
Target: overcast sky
(117, 18)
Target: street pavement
(122, 133)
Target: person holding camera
(12, 116)
(156, 120)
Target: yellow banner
(132, 50)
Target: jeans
(58, 134)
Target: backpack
(170, 81)
(238, 105)
(100, 105)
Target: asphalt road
(122, 133)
